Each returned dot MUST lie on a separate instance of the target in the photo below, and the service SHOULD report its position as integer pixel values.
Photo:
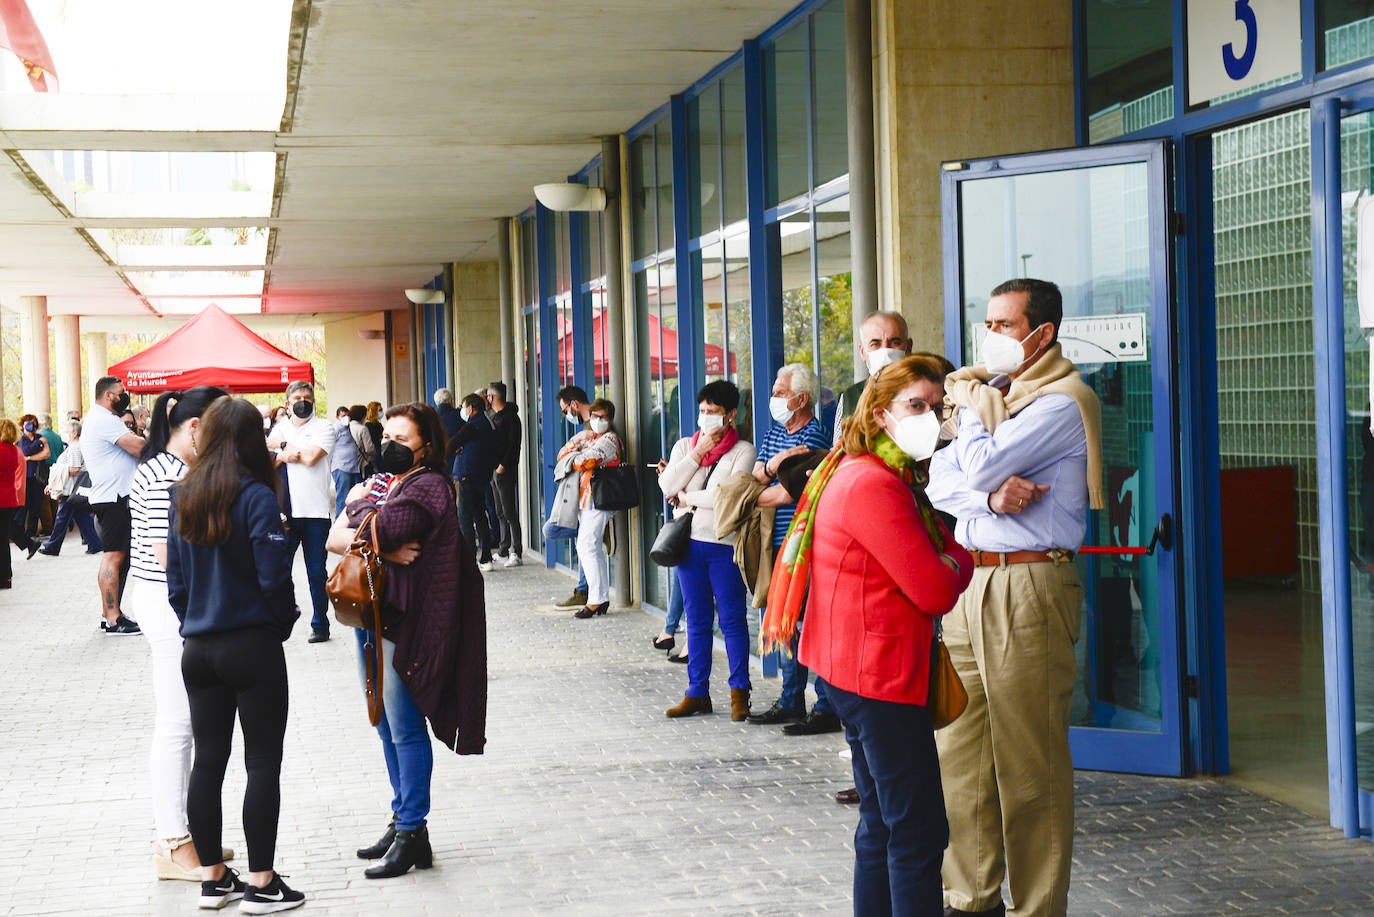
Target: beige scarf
(1052, 374)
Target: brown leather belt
(998, 559)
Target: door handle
(1163, 537)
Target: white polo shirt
(110, 467)
(309, 484)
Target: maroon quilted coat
(441, 634)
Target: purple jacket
(441, 635)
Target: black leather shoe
(46, 551)
(410, 848)
(776, 714)
(33, 549)
(849, 797)
(680, 657)
(379, 849)
(318, 636)
(815, 724)
(999, 911)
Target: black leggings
(241, 671)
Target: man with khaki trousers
(1018, 477)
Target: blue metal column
(1328, 337)
(583, 371)
(690, 352)
(544, 241)
(765, 258)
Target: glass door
(1096, 222)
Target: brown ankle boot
(690, 706)
(739, 704)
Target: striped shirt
(776, 440)
(149, 502)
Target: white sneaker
(486, 567)
(512, 560)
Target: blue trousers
(343, 483)
(902, 834)
(708, 571)
(794, 676)
(674, 619)
(405, 742)
(556, 532)
(312, 534)
(85, 522)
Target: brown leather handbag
(355, 589)
(947, 697)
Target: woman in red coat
(883, 569)
(13, 470)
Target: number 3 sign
(1237, 44)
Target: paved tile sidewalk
(588, 801)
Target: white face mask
(464, 413)
(600, 425)
(877, 359)
(573, 417)
(777, 407)
(915, 434)
(709, 423)
(1003, 354)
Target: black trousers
(472, 517)
(243, 673)
(9, 531)
(508, 508)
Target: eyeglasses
(920, 406)
(129, 425)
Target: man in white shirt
(111, 452)
(301, 444)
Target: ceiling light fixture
(424, 297)
(563, 196)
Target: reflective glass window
(787, 83)
(663, 144)
(703, 159)
(1347, 29)
(643, 212)
(829, 118)
(1130, 66)
(734, 200)
(834, 297)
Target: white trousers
(169, 761)
(591, 553)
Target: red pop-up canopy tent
(213, 348)
(662, 351)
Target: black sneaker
(122, 627)
(216, 894)
(318, 636)
(277, 896)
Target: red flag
(19, 34)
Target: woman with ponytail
(171, 445)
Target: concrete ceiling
(409, 128)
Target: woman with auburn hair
(433, 633)
(883, 570)
(229, 582)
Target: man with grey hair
(449, 416)
(301, 444)
(883, 339)
(141, 414)
(795, 431)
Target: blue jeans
(674, 619)
(794, 676)
(405, 742)
(902, 834)
(556, 532)
(312, 533)
(85, 522)
(709, 571)
(343, 483)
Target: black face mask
(303, 409)
(394, 458)
(121, 404)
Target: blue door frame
(1148, 752)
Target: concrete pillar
(957, 81)
(97, 364)
(67, 332)
(476, 320)
(34, 364)
(863, 223)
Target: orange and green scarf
(792, 568)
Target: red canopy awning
(213, 348)
(662, 351)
